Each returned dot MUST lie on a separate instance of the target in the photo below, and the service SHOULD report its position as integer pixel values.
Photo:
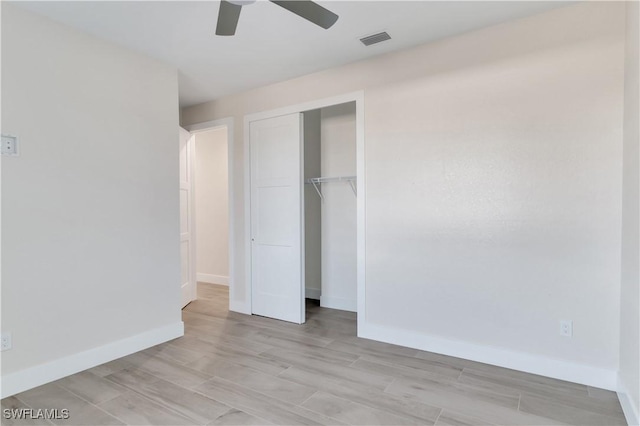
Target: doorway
(211, 196)
(210, 230)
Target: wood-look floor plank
(195, 344)
(285, 340)
(313, 308)
(168, 370)
(81, 412)
(110, 367)
(493, 408)
(16, 415)
(523, 381)
(325, 331)
(134, 409)
(235, 417)
(449, 418)
(172, 353)
(365, 395)
(353, 413)
(602, 394)
(184, 402)
(261, 405)
(400, 371)
(219, 335)
(609, 407)
(344, 373)
(215, 362)
(560, 411)
(275, 387)
(131, 377)
(407, 362)
(345, 327)
(303, 355)
(345, 345)
(91, 387)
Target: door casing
(229, 124)
(188, 290)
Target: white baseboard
(535, 364)
(212, 279)
(29, 378)
(312, 293)
(631, 411)
(339, 303)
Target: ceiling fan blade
(310, 11)
(227, 18)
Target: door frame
(358, 98)
(191, 219)
(229, 124)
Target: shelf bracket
(316, 182)
(353, 187)
(316, 185)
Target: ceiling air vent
(375, 38)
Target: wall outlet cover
(5, 341)
(9, 145)
(566, 328)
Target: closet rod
(318, 180)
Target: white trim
(361, 215)
(358, 98)
(303, 276)
(191, 288)
(29, 378)
(245, 307)
(535, 364)
(312, 293)
(212, 279)
(339, 303)
(306, 106)
(229, 124)
(630, 410)
(193, 248)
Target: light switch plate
(9, 145)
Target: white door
(277, 271)
(187, 243)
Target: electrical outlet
(5, 341)
(566, 328)
(9, 145)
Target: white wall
(493, 189)
(212, 206)
(312, 206)
(90, 207)
(339, 280)
(629, 375)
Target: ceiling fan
(307, 9)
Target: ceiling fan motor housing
(241, 2)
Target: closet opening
(304, 217)
(330, 213)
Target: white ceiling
(271, 44)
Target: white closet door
(277, 274)
(187, 243)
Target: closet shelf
(351, 180)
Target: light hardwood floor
(237, 369)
